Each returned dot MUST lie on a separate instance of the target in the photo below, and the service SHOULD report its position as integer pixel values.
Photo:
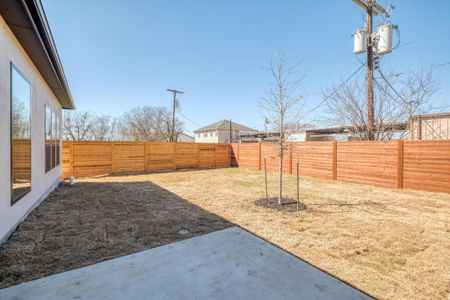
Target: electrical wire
(428, 36)
(443, 64)
(390, 85)
(390, 96)
(395, 91)
(342, 84)
(188, 119)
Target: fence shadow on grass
(94, 221)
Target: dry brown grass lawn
(393, 244)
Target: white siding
(437, 128)
(207, 137)
(41, 183)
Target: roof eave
(28, 22)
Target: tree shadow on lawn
(93, 221)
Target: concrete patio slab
(226, 264)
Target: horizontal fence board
(423, 165)
(128, 157)
(368, 162)
(427, 165)
(159, 156)
(92, 158)
(315, 158)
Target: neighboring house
(430, 127)
(184, 138)
(33, 92)
(219, 132)
(304, 135)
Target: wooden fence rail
(91, 158)
(423, 165)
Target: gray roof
(225, 125)
(28, 22)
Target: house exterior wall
(224, 136)
(435, 128)
(221, 136)
(212, 136)
(41, 95)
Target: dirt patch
(95, 220)
(287, 204)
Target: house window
(52, 139)
(58, 141)
(215, 133)
(20, 135)
(48, 138)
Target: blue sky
(118, 55)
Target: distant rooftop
(432, 116)
(225, 125)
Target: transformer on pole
(372, 43)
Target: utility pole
(370, 102)
(175, 92)
(371, 8)
(231, 136)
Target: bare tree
(148, 124)
(281, 105)
(139, 124)
(78, 125)
(398, 96)
(104, 129)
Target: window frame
(55, 139)
(58, 140)
(47, 163)
(54, 124)
(12, 69)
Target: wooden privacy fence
(91, 158)
(423, 165)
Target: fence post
(400, 164)
(334, 167)
(259, 157)
(290, 158)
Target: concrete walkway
(226, 264)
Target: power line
(428, 36)
(443, 64)
(342, 84)
(390, 96)
(188, 119)
(390, 85)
